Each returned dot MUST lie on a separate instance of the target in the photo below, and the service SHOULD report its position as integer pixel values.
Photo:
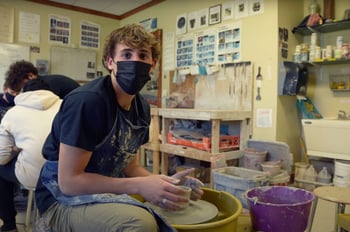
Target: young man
(23, 131)
(22, 71)
(91, 167)
(7, 99)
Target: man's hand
(191, 182)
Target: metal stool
(343, 221)
(30, 202)
(338, 195)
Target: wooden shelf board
(204, 114)
(197, 154)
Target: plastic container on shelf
(300, 169)
(311, 176)
(324, 176)
(340, 183)
(272, 167)
(253, 158)
(342, 170)
(281, 179)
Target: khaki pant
(106, 217)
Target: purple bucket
(279, 208)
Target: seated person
(91, 167)
(7, 99)
(22, 71)
(23, 131)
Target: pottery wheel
(198, 211)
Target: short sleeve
(83, 120)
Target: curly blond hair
(132, 35)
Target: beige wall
(107, 25)
(288, 127)
(326, 101)
(259, 45)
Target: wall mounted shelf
(324, 28)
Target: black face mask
(10, 99)
(132, 75)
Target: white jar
(300, 168)
(338, 53)
(329, 52)
(340, 41)
(318, 52)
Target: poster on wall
(149, 24)
(215, 14)
(256, 7)
(192, 21)
(229, 44)
(241, 9)
(7, 16)
(181, 24)
(29, 27)
(59, 29)
(184, 50)
(202, 17)
(169, 51)
(205, 47)
(227, 11)
(89, 35)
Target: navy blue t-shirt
(85, 118)
(59, 84)
(4, 106)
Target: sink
(327, 137)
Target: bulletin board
(78, 64)
(10, 53)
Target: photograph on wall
(229, 43)
(89, 35)
(7, 25)
(202, 17)
(192, 21)
(181, 24)
(149, 24)
(205, 47)
(215, 14)
(256, 7)
(59, 29)
(184, 51)
(241, 9)
(42, 66)
(227, 11)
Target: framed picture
(215, 14)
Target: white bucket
(342, 170)
(254, 158)
(282, 179)
(340, 183)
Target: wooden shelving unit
(153, 144)
(216, 117)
